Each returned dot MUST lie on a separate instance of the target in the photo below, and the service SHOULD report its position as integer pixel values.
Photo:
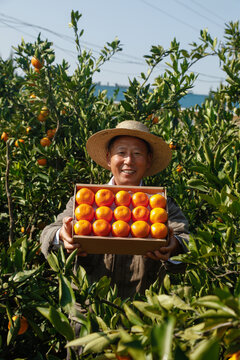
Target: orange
(22, 229)
(140, 213)
(36, 63)
(122, 213)
(51, 133)
(44, 111)
(23, 324)
(82, 227)
(104, 212)
(140, 229)
(84, 212)
(104, 197)
(155, 120)
(120, 228)
(41, 118)
(179, 168)
(158, 215)
(32, 96)
(4, 136)
(159, 231)
(42, 161)
(45, 141)
(19, 141)
(101, 227)
(28, 129)
(63, 111)
(139, 198)
(85, 196)
(157, 200)
(122, 197)
(172, 146)
(37, 70)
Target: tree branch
(9, 198)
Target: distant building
(187, 101)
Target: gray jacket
(131, 273)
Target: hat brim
(97, 148)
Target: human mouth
(128, 172)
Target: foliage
(192, 316)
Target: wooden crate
(119, 245)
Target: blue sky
(138, 24)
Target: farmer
(130, 152)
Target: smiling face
(128, 158)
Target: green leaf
(58, 320)
(95, 342)
(53, 262)
(102, 286)
(150, 311)
(66, 294)
(198, 184)
(208, 153)
(23, 275)
(207, 349)
(161, 339)
(70, 259)
(132, 316)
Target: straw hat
(97, 145)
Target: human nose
(128, 159)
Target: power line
(207, 10)
(196, 12)
(169, 15)
(73, 54)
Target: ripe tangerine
(36, 63)
(19, 141)
(44, 111)
(23, 324)
(45, 141)
(104, 212)
(123, 197)
(104, 197)
(82, 227)
(157, 200)
(51, 133)
(120, 228)
(4, 136)
(85, 196)
(140, 229)
(140, 213)
(41, 118)
(101, 227)
(158, 215)
(42, 161)
(84, 212)
(122, 213)
(159, 231)
(139, 198)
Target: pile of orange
(103, 212)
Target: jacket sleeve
(49, 232)
(177, 221)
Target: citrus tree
(46, 117)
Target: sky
(138, 24)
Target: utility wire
(169, 15)
(73, 54)
(197, 13)
(207, 10)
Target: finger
(69, 246)
(81, 253)
(67, 220)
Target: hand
(165, 252)
(65, 235)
